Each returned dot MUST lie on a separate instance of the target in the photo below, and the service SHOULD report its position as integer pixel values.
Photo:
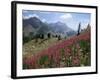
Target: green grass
(33, 47)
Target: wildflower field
(72, 52)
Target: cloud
(66, 16)
(30, 16)
(43, 20)
(25, 11)
(48, 13)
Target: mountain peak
(34, 18)
(60, 23)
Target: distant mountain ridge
(36, 26)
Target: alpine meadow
(56, 39)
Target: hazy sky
(70, 19)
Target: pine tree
(42, 36)
(49, 35)
(79, 28)
(59, 37)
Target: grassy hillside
(51, 53)
(33, 47)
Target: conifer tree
(79, 28)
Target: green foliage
(85, 45)
(85, 53)
(31, 34)
(26, 39)
(69, 61)
(43, 59)
(25, 66)
(42, 36)
(59, 37)
(62, 52)
(49, 35)
(74, 50)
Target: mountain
(60, 27)
(27, 29)
(35, 26)
(34, 22)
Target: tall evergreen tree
(49, 35)
(79, 28)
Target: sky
(72, 20)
